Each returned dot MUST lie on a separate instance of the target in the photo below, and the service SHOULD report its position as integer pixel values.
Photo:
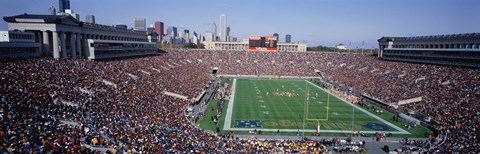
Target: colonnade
(288, 48)
(63, 44)
(441, 46)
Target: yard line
(283, 101)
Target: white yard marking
(265, 112)
(335, 113)
(263, 106)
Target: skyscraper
(208, 36)
(214, 32)
(63, 5)
(186, 35)
(229, 38)
(223, 27)
(288, 38)
(52, 11)
(140, 24)
(172, 31)
(159, 29)
(278, 36)
(90, 18)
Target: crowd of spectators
(450, 95)
(39, 95)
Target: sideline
(228, 118)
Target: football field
(294, 105)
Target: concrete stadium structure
(287, 47)
(15, 44)
(66, 37)
(454, 49)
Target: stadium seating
(62, 106)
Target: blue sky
(316, 22)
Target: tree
(190, 45)
(201, 46)
(322, 48)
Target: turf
(287, 112)
(284, 106)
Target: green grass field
(281, 104)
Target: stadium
(78, 100)
(68, 86)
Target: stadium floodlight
(304, 113)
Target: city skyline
(315, 22)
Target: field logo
(248, 124)
(377, 126)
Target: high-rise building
(278, 36)
(228, 34)
(186, 35)
(200, 38)
(52, 10)
(288, 38)
(195, 37)
(172, 31)
(140, 24)
(63, 5)
(214, 32)
(209, 36)
(90, 18)
(223, 27)
(159, 29)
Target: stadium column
(46, 43)
(56, 52)
(39, 38)
(73, 45)
(77, 41)
(85, 37)
(63, 43)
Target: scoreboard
(262, 43)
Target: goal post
(308, 102)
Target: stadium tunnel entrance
(214, 70)
(318, 72)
